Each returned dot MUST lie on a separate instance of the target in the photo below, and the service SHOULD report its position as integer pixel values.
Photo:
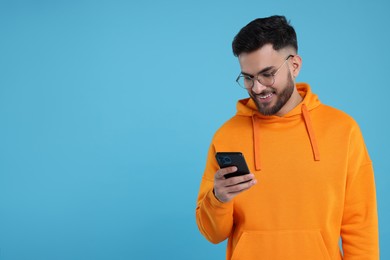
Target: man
(311, 179)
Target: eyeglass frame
(253, 77)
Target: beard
(282, 96)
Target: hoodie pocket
(287, 244)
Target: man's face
(272, 100)
(277, 99)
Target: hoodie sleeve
(214, 218)
(359, 230)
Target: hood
(247, 107)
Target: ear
(296, 64)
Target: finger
(238, 188)
(225, 194)
(239, 179)
(221, 172)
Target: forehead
(255, 61)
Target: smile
(266, 96)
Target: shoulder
(334, 116)
(236, 125)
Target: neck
(294, 100)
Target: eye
(247, 78)
(267, 75)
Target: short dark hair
(275, 30)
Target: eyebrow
(260, 72)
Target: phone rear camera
(226, 160)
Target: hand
(226, 189)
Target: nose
(258, 87)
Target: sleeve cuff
(215, 203)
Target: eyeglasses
(265, 79)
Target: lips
(265, 96)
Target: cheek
(289, 78)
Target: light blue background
(107, 109)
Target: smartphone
(227, 159)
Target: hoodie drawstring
(256, 143)
(310, 131)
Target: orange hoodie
(315, 184)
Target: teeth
(266, 96)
